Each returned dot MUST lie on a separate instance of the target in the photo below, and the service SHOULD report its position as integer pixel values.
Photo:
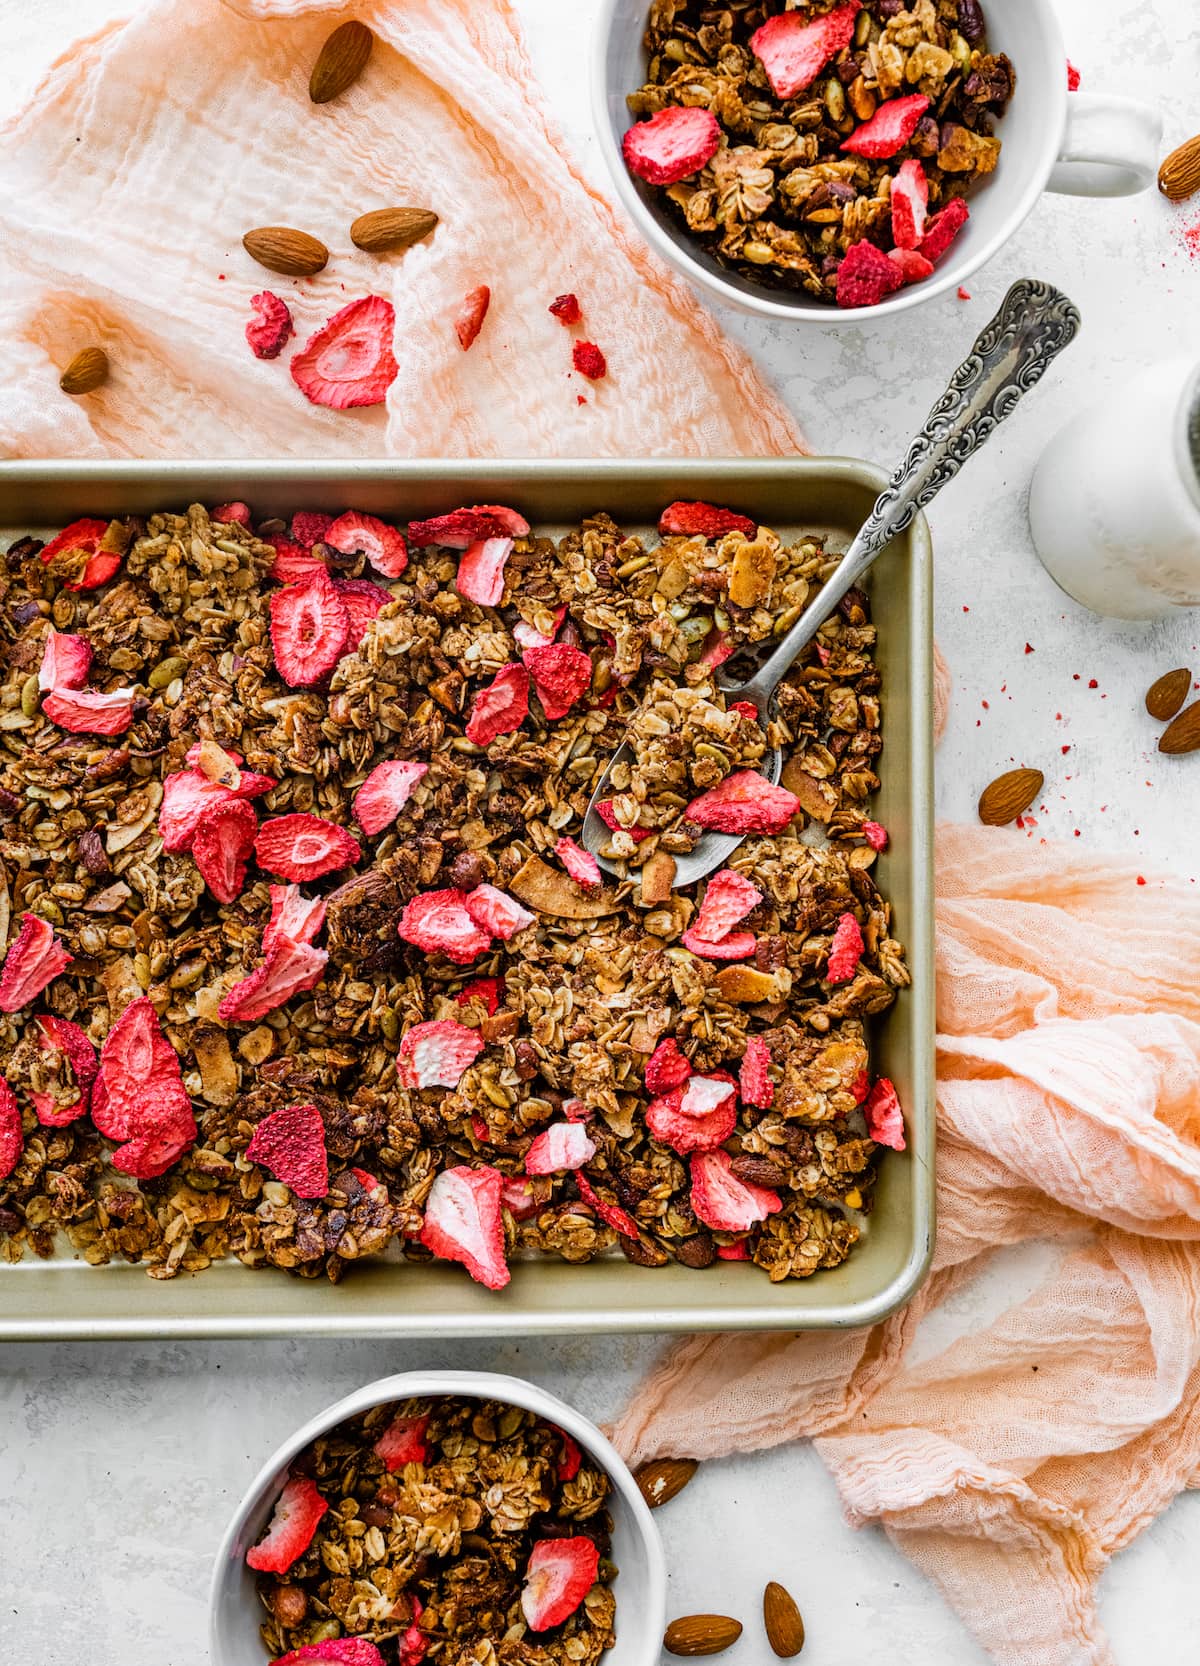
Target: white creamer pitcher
(1115, 502)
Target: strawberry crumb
(963, 294)
(1092, 683)
(1066, 749)
(1140, 880)
(1029, 649)
(588, 360)
(1073, 77)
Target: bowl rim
(647, 1621)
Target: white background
(119, 1464)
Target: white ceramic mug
(1085, 144)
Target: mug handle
(1111, 148)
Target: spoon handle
(1034, 324)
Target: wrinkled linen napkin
(1010, 1466)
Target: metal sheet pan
(66, 1298)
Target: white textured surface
(119, 1464)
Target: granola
(382, 1041)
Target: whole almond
(701, 1634)
(1009, 796)
(385, 229)
(86, 371)
(1183, 733)
(284, 249)
(662, 1478)
(781, 1617)
(340, 61)
(1179, 175)
(1164, 698)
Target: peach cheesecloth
(1068, 1001)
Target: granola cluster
(445, 1036)
(455, 1531)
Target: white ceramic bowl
(235, 1612)
(1081, 144)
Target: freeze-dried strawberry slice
(885, 1119)
(464, 1222)
(686, 1134)
(309, 630)
(610, 1213)
(579, 863)
(156, 1111)
(65, 661)
(302, 846)
(754, 1077)
(589, 361)
(735, 945)
(702, 1094)
(560, 1574)
(734, 1252)
(286, 969)
(385, 792)
(341, 1651)
(222, 846)
(845, 951)
(703, 520)
(290, 1531)
(435, 1055)
(724, 1202)
(383, 545)
(910, 204)
(745, 802)
(271, 328)
(496, 912)
(728, 898)
(561, 674)
(484, 990)
(464, 526)
(860, 1087)
(576, 1111)
(518, 1197)
(139, 1075)
(438, 922)
(530, 638)
(293, 564)
(349, 361)
(875, 834)
(292, 915)
(604, 809)
(309, 527)
(566, 309)
(470, 317)
(188, 793)
(84, 712)
(364, 602)
(500, 707)
(793, 53)
(745, 709)
(148, 1155)
(866, 276)
(667, 1067)
(81, 541)
(944, 228)
(911, 264)
(678, 141)
(562, 1146)
(233, 514)
(480, 576)
(34, 959)
(12, 1135)
(889, 129)
(403, 1441)
(291, 1143)
(59, 1035)
(571, 1461)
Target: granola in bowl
(305, 959)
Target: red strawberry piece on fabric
(222, 847)
(59, 1035)
(885, 1119)
(292, 915)
(686, 1134)
(364, 602)
(610, 1213)
(287, 968)
(560, 1574)
(500, 707)
(678, 141)
(734, 1252)
(667, 1067)
(566, 309)
(84, 712)
(82, 538)
(562, 1146)
(866, 276)
(403, 1442)
(728, 898)
(291, 1143)
(721, 1200)
(889, 129)
(34, 959)
(12, 1134)
(298, 1509)
(496, 912)
(436, 1055)
(480, 576)
(579, 863)
(589, 361)
(271, 328)
(793, 52)
(911, 264)
(530, 638)
(233, 514)
(571, 1461)
(469, 320)
(438, 922)
(302, 846)
(309, 630)
(349, 361)
(604, 809)
(744, 802)
(561, 676)
(701, 1094)
(754, 1077)
(343, 1651)
(385, 792)
(65, 662)
(845, 951)
(703, 520)
(944, 228)
(309, 527)
(465, 526)
(464, 1222)
(485, 990)
(293, 563)
(875, 834)
(910, 204)
(735, 945)
(383, 545)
